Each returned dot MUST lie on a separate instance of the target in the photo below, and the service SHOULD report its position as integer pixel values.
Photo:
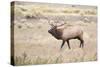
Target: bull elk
(60, 32)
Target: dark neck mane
(57, 34)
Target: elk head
(55, 31)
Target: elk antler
(61, 23)
(51, 23)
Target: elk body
(67, 33)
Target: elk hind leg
(81, 42)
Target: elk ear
(55, 27)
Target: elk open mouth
(49, 31)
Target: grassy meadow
(34, 45)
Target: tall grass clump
(25, 60)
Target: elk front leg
(68, 44)
(63, 43)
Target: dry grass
(25, 60)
